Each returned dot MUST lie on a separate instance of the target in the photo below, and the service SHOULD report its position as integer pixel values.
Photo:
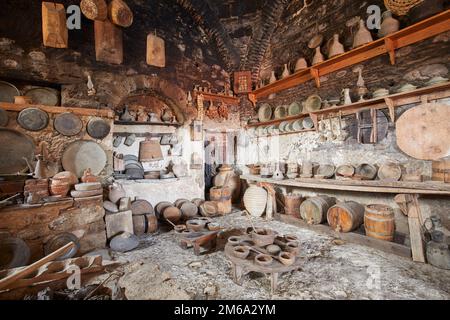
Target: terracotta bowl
(241, 252)
(195, 225)
(291, 237)
(234, 240)
(287, 258)
(180, 228)
(263, 259)
(293, 247)
(263, 237)
(213, 226)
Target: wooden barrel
(94, 9)
(366, 171)
(345, 216)
(150, 150)
(292, 204)
(120, 14)
(223, 197)
(379, 222)
(441, 171)
(345, 171)
(139, 224)
(314, 210)
(160, 208)
(152, 223)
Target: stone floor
(160, 269)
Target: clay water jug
(226, 175)
(116, 192)
(362, 36)
(286, 72)
(255, 200)
(273, 78)
(336, 48)
(347, 98)
(389, 24)
(301, 64)
(318, 57)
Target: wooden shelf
(286, 133)
(376, 186)
(137, 123)
(219, 98)
(278, 121)
(105, 113)
(420, 31)
(390, 102)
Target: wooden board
(54, 28)
(156, 51)
(108, 42)
(423, 132)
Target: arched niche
(151, 101)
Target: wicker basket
(401, 7)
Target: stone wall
(37, 224)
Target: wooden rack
(105, 113)
(219, 98)
(137, 123)
(420, 31)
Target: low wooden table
(198, 240)
(241, 267)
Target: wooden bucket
(292, 204)
(223, 198)
(366, 171)
(441, 171)
(314, 210)
(379, 222)
(346, 216)
(390, 172)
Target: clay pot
(241, 252)
(59, 187)
(255, 200)
(293, 247)
(362, 36)
(263, 237)
(234, 240)
(234, 182)
(195, 225)
(336, 48)
(287, 258)
(116, 192)
(301, 64)
(263, 260)
(318, 57)
(389, 24)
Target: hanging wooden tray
(33, 119)
(43, 96)
(423, 132)
(13, 147)
(98, 128)
(83, 154)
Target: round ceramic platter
(45, 96)
(83, 154)
(68, 124)
(33, 119)
(265, 112)
(313, 103)
(14, 146)
(290, 127)
(283, 126)
(297, 125)
(308, 123)
(295, 108)
(8, 92)
(280, 112)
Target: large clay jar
(116, 192)
(255, 200)
(318, 57)
(336, 48)
(362, 36)
(301, 64)
(234, 182)
(389, 24)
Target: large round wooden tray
(423, 132)
(83, 154)
(68, 124)
(14, 146)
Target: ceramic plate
(308, 123)
(280, 112)
(283, 126)
(265, 112)
(33, 119)
(313, 103)
(298, 125)
(8, 92)
(295, 108)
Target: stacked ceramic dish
(436, 81)
(133, 168)
(380, 93)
